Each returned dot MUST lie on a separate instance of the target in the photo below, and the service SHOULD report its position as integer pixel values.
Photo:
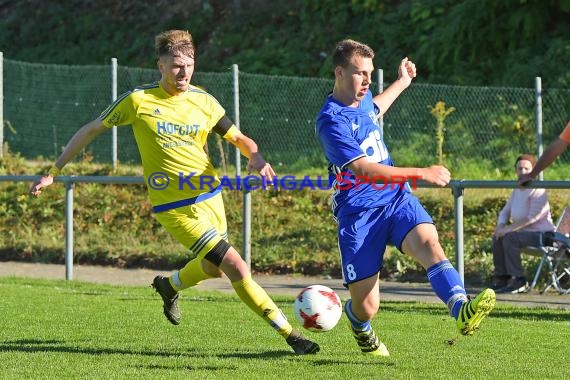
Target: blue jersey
(347, 134)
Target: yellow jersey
(171, 133)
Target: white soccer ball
(318, 308)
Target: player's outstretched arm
(80, 139)
(406, 72)
(436, 174)
(249, 148)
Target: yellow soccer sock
(259, 301)
(192, 274)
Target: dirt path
(276, 285)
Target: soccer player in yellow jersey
(171, 120)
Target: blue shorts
(363, 236)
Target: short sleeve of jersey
(214, 109)
(335, 135)
(120, 112)
(565, 135)
(231, 133)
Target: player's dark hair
(526, 157)
(346, 49)
(174, 42)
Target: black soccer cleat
(169, 298)
(300, 344)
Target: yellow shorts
(199, 227)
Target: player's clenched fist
(406, 71)
(436, 174)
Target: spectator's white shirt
(529, 207)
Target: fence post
(235, 72)
(380, 79)
(458, 210)
(1, 104)
(538, 119)
(247, 226)
(246, 230)
(113, 98)
(68, 229)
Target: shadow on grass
(317, 361)
(412, 307)
(531, 314)
(255, 355)
(39, 345)
(376, 361)
(189, 368)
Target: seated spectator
(525, 215)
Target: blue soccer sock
(447, 284)
(357, 324)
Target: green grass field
(57, 329)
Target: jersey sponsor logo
(175, 144)
(156, 112)
(168, 128)
(374, 148)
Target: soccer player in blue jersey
(372, 206)
(171, 120)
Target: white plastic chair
(554, 250)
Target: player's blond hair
(174, 42)
(346, 49)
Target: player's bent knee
(427, 252)
(234, 266)
(213, 259)
(210, 269)
(226, 260)
(216, 254)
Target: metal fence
(457, 187)
(44, 104)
